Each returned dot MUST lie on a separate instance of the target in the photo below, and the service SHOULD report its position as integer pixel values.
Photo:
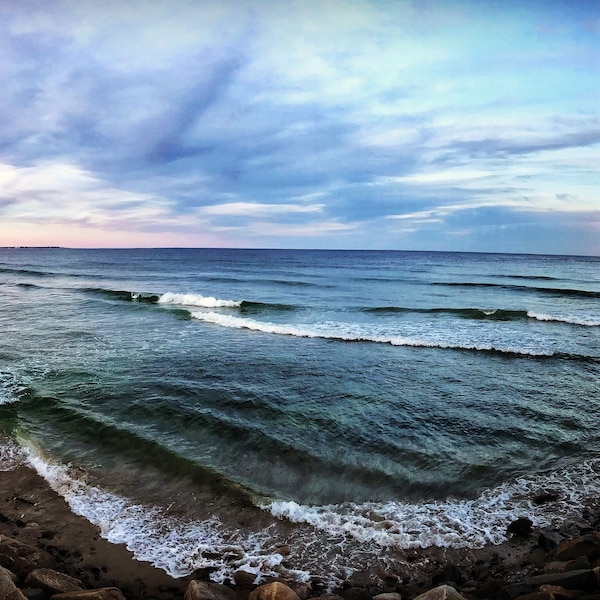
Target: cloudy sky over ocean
(438, 125)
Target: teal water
(319, 391)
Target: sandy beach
(34, 514)
(38, 530)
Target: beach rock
(558, 592)
(549, 539)
(244, 579)
(545, 497)
(520, 527)
(450, 573)
(585, 580)
(53, 582)
(273, 591)
(8, 589)
(34, 593)
(109, 593)
(22, 558)
(585, 545)
(442, 592)
(388, 596)
(577, 564)
(303, 590)
(537, 595)
(206, 590)
(515, 590)
(356, 593)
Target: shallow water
(360, 399)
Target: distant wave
(530, 277)
(334, 332)
(465, 313)
(572, 320)
(575, 293)
(124, 295)
(26, 272)
(197, 300)
(491, 315)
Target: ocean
(298, 412)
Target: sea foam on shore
(378, 533)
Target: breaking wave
(176, 545)
(464, 523)
(197, 300)
(339, 331)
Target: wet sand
(33, 513)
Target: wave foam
(197, 300)
(174, 545)
(457, 524)
(572, 320)
(340, 331)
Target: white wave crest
(197, 300)
(572, 320)
(457, 524)
(344, 332)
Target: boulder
(303, 590)
(356, 593)
(273, 591)
(537, 595)
(206, 590)
(549, 539)
(8, 589)
(442, 592)
(244, 579)
(515, 590)
(388, 596)
(450, 573)
(584, 580)
(558, 592)
(586, 545)
(520, 527)
(53, 582)
(109, 593)
(22, 558)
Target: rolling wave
(189, 300)
(123, 295)
(453, 523)
(564, 292)
(337, 332)
(17, 271)
(489, 315)
(465, 313)
(197, 300)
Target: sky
(371, 124)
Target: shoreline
(35, 515)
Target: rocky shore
(49, 553)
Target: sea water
(210, 407)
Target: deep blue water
(323, 391)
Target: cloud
(356, 123)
